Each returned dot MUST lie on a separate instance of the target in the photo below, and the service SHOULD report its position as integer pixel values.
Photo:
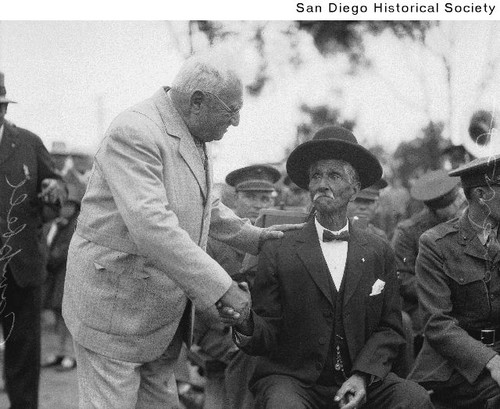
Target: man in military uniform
(254, 190)
(458, 288)
(361, 210)
(442, 198)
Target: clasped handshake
(234, 307)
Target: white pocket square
(377, 287)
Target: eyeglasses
(231, 112)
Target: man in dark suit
(28, 183)
(458, 289)
(326, 315)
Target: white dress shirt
(1, 133)
(334, 252)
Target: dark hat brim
(303, 156)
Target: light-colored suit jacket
(137, 255)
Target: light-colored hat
(3, 91)
(436, 189)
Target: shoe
(53, 360)
(67, 364)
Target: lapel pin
(363, 259)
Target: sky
(71, 78)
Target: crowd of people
(140, 261)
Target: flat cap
(435, 188)
(254, 178)
(479, 172)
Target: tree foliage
(412, 159)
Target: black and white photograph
(236, 213)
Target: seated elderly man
(326, 316)
(458, 289)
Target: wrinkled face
(3, 111)
(362, 208)
(330, 186)
(249, 203)
(214, 118)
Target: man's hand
(53, 191)
(276, 231)
(352, 393)
(493, 366)
(234, 306)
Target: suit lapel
(310, 253)
(187, 149)
(355, 264)
(8, 143)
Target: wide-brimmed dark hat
(3, 91)
(259, 178)
(333, 142)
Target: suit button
(492, 296)
(327, 314)
(461, 280)
(318, 366)
(322, 340)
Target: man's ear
(356, 187)
(196, 100)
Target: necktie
(329, 236)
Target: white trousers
(106, 383)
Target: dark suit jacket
(24, 163)
(293, 311)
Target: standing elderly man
(458, 288)
(29, 185)
(136, 263)
(326, 315)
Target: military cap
(255, 177)
(479, 172)
(436, 189)
(3, 91)
(372, 192)
(333, 142)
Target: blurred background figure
(443, 199)
(59, 233)
(254, 188)
(361, 210)
(29, 185)
(393, 203)
(74, 167)
(293, 197)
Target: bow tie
(329, 236)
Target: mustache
(323, 194)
